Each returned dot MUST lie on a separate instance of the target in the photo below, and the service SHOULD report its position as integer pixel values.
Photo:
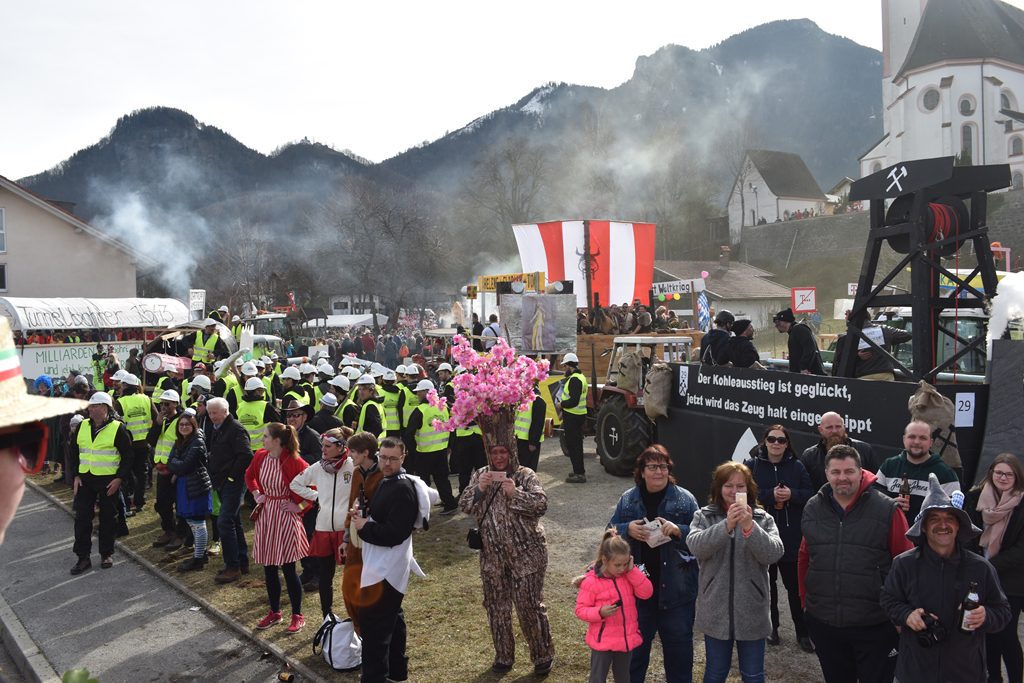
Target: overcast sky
(376, 78)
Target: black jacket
(712, 347)
(324, 421)
(122, 442)
(803, 350)
(892, 336)
(813, 459)
(740, 351)
(228, 452)
(1009, 561)
(191, 464)
(394, 509)
(792, 473)
(310, 447)
(415, 422)
(921, 578)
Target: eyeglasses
(656, 467)
(776, 439)
(293, 416)
(389, 458)
(1002, 475)
(30, 442)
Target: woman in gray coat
(734, 544)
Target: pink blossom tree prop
(495, 386)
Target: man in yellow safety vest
(139, 415)
(163, 435)
(430, 446)
(573, 402)
(101, 458)
(530, 431)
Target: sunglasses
(776, 439)
(30, 442)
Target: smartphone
(741, 497)
(617, 603)
(499, 475)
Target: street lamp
(753, 189)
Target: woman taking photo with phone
(783, 488)
(735, 541)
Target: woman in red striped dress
(279, 539)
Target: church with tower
(952, 84)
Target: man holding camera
(944, 597)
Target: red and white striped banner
(623, 253)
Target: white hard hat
(291, 372)
(201, 381)
(170, 395)
(325, 369)
(424, 385)
(389, 376)
(254, 383)
(414, 369)
(239, 362)
(130, 379)
(329, 400)
(570, 358)
(235, 319)
(273, 355)
(249, 369)
(341, 382)
(265, 359)
(365, 379)
(222, 309)
(101, 398)
(307, 369)
(459, 369)
(209, 322)
(354, 373)
(119, 375)
(259, 364)
(444, 366)
(218, 365)
(345, 361)
(321, 360)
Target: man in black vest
(851, 533)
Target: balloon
(676, 296)
(661, 297)
(704, 273)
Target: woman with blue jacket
(672, 569)
(783, 488)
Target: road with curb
(123, 624)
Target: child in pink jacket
(607, 602)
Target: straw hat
(16, 405)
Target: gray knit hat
(938, 500)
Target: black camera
(934, 632)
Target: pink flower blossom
(492, 382)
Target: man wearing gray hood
(926, 588)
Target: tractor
(620, 426)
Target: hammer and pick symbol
(896, 174)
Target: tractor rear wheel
(622, 435)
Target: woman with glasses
(279, 539)
(784, 487)
(735, 541)
(994, 505)
(194, 500)
(654, 516)
(328, 483)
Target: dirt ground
(448, 635)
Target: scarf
(332, 466)
(996, 515)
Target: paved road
(123, 624)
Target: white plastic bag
(341, 646)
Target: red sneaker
(269, 620)
(298, 621)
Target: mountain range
(785, 85)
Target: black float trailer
(719, 413)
